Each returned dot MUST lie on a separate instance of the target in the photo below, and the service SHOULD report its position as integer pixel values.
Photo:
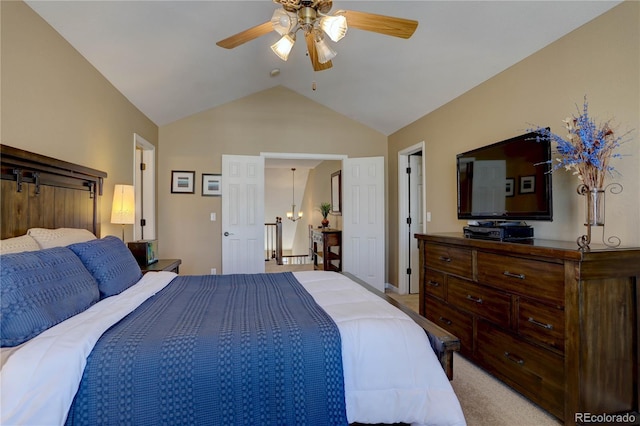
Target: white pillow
(60, 237)
(18, 244)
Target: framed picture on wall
(527, 184)
(336, 193)
(182, 182)
(211, 184)
(510, 187)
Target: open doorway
(287, 191)
(363, 215)
(411, 214)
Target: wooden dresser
(326, 249)
(558, 325)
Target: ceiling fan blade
(313, 54)
(246, 35)
(387, 25)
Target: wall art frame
(510, 187)
(336, 193)
(527, 184)
(211, 184)
(182, 182)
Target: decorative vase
(594, 202)
(325, 223)
(594, 213)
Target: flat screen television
(506, 181)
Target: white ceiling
(162, 54)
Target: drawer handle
(433, 283)
(474, 299)
(512, 275)
(445, 320)
(510, 357)
(445, 259)
(540, 324)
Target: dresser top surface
(537, 246)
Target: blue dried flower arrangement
(587, 148)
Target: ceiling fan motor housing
(322, 6)
(307, 17)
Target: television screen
(508, 180)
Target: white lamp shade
(334, 26)
(282, 47)
(325, 53)
(283, 21)
(123, 210)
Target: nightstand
(171, 265)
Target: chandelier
(310, 21)
(292, 216)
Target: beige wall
(275, 120)
(55, 103)
(600, 60)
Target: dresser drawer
(455, 322)
(541, 322)
(535, 372)
(540, 280)
(434, 283)
(452, 260)
(480, 300)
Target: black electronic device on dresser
(508, 231)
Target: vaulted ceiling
(162, 55)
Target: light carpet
(487, 401)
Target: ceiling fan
(313, 19)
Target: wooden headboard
(42, 192)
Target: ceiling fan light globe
(334, 26)
(325, 53)
(283, 21)
(283, 47)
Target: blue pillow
(110, 262)
(39, 289)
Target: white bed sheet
(395, 378)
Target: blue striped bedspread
(217, 350)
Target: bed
(162, 348)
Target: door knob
(226, 234)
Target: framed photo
(527, 184)
(510, 187)
(336, 193)
(211, 184)
(182, 182)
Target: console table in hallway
(326, 249)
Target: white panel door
(363, 232)
(242, 214)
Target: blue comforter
(217, 350)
